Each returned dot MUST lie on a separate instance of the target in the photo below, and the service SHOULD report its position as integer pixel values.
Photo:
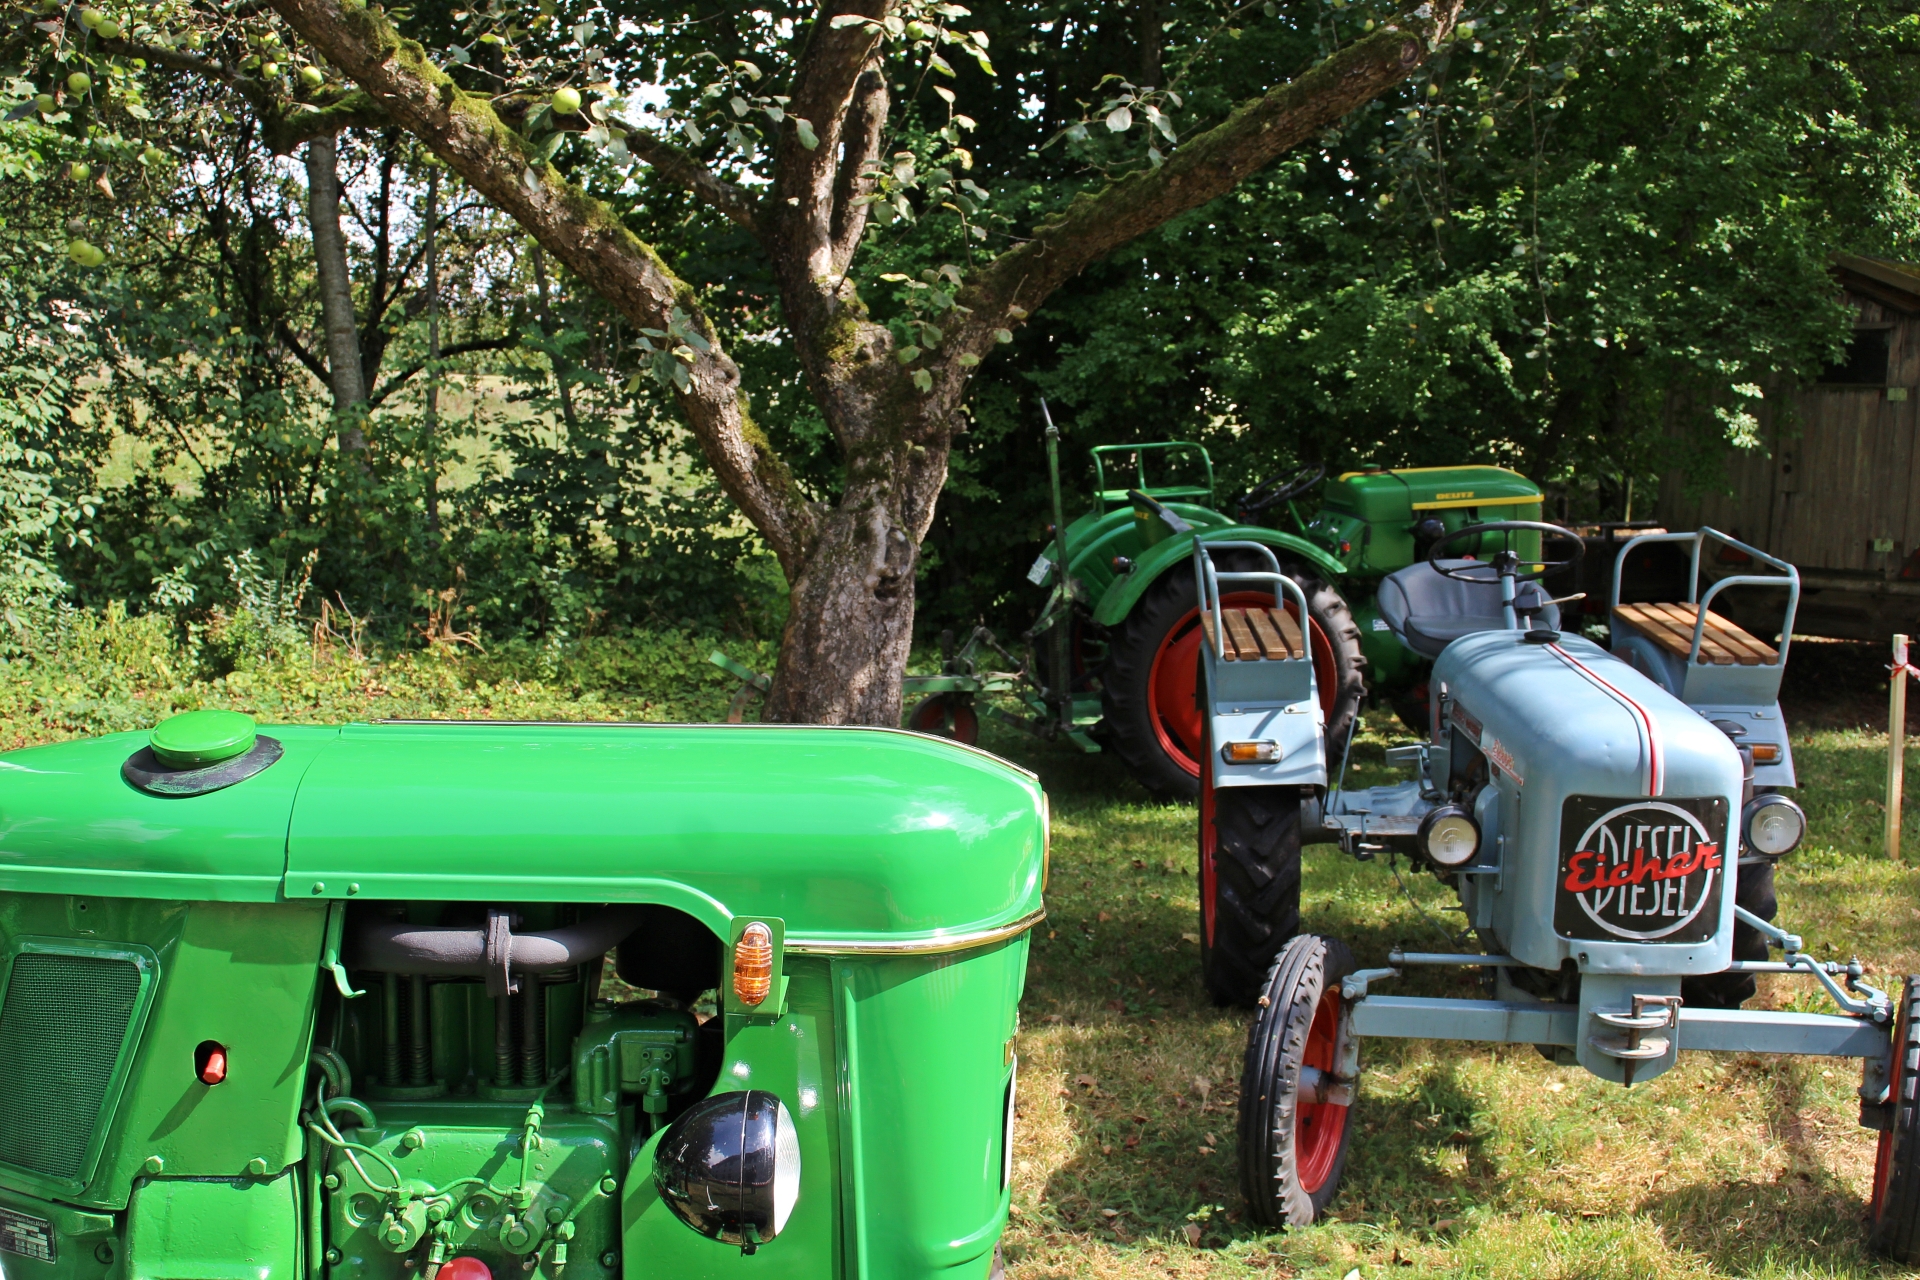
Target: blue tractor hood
(1611, 808)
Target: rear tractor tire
(1293, 1139)
(1893, 1216)
(1249, 873)
(1153, 720)
(947, 715)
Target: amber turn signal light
(1264, 752)
(753, 964)
(1765, 753)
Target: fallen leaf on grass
(1117, 1006)
(1109, 1213)
(1446, 1224)
(1352, 1275)
(1555, 1086)
(1206, 1150)
(1133, 1140)
(1104, 917)
(1193, 1234)
(1086, 1081)
(1189, 937)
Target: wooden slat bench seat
(1724, 643)
(1253, 634)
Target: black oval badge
(1641, 870)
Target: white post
(1896, 743)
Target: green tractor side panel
(123, 1087)
(214, 1230)
(1366, 518)
(796, 1058)
(1175, 552)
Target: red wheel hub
(1318, 1127)
(1174, 677)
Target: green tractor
(1115, 653)
(471, 1001)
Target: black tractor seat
(1429, 610)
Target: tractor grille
(62, 1030)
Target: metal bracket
(1354, 985)
(1875, 1005)
(330, 950)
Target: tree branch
(291, 342)
(1203, 167)
(447, 352)
(285, 124)
(861, 137)
(803, 177)
(679, 166)
(463, 130)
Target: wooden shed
(1837, 489)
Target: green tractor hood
(850, 835)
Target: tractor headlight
(1772, 824)
(1449, 836)
(729, 1167)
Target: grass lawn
(1468, 1161)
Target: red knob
(212, 1063)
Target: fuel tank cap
(194, 739)
(196, 752)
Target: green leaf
(1003, 335)
(923, 380)
(907, 354)
(967, 360)
(850, 20)
(808, 138)
(1120, 119)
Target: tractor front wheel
(1153, 721)
(1294, 1108)
(1894, 1214)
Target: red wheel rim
(1171, 705)
(1318, 1127)
(1883, 1158)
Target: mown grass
(1469, 1160)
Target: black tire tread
(1896, 1231)
(1257, 889)
(1276, 1042)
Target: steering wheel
(1271, 492)
(1505, 563)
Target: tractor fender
(1176, 552)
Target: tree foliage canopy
(1580, 239)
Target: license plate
(25, 1235)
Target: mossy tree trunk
(850, 564)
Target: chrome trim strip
(914, 946)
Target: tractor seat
(1429, 610)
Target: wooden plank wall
(1845, 473)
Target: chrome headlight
(1772, 824)
(729, 1167)
(1449, 836)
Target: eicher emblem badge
(1643, 870)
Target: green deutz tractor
(1115, 654)
(442, 1001)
